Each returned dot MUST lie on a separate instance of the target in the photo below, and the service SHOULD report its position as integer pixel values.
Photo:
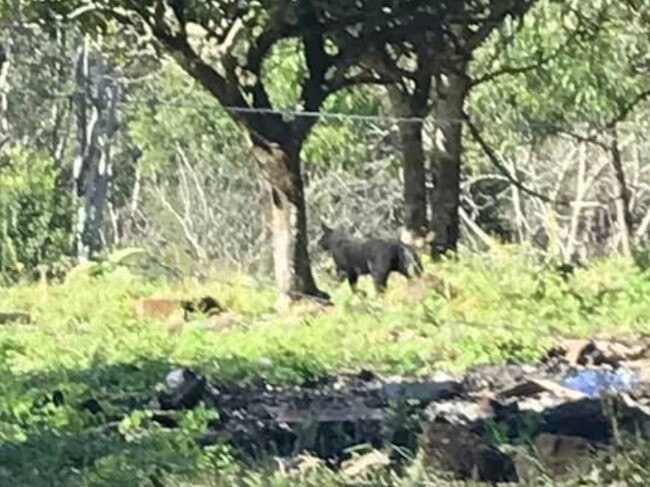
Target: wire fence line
(518, 125)
(193, 193)
(206, 203)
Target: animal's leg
(340, 274)
(353, 277)
(404, 271)
(380, 278)
(408, 264)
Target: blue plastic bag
(592, 382)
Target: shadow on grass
(48, 439)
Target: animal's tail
(410, 260)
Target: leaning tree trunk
(288, 223)
(95, 103)
(450, 91)
(624, 212)
(413, 163)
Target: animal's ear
(405, 236)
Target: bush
(35, 214)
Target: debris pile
(487, 425)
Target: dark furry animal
(206, 305)
(377, 257)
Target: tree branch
(494, 159)
(512, 70)
(589, 139)
(359, 79)
(508, 70)
(627, 109)
(229, 91)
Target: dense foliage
(35, 218)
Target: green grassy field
(86, 342)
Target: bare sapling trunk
(450, 91)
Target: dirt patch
(157, 308)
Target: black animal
(377, 257)
(206, 305)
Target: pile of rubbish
(497, 423)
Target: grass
(86, 342)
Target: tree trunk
(95, 104)
(624, 213)
(450, 92)
(413, 163)
(292, 267)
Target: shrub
(35, 213)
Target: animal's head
(331, 236)
(419, 239)
(324, 241)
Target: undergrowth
(86, 341)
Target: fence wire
(186, 186)
(209, 205)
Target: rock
(440, 376)
(497, 377)
(425, 391)
(467, 455)
(183, 389)
(353, 413)
(534, 387)
(641, 368)
(462, 413)
(539, 403)
(588, 419)
(561, 454)
(332, 414)
(15, 317)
